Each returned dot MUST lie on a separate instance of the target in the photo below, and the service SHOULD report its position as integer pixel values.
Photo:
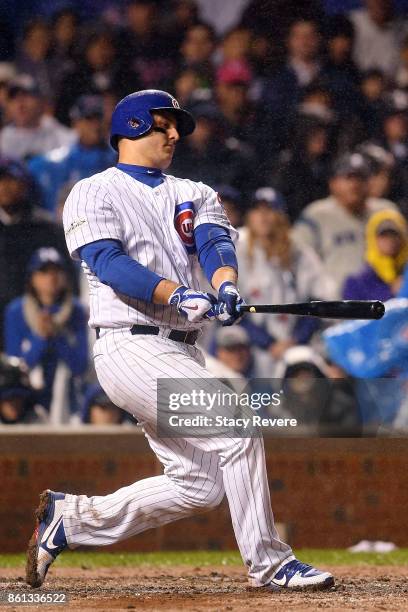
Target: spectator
(100, 70)
(29, 131)
(325, 407)
(188, 87)
(275, 17)
(206, 157)
(196, 52)
(99, 410)
(316, 101)
(232, 202)
(339, 72)
(183, 15)
(376, 353)
(17, 398)
(302, 171)
(381, 164)
(388, 179)
(263, 60)
(32, 56)
(7, 74)
(243, 126)
(275, 270)
(62, 167)
(378, 36)
(236, 45)
(385, 259)
(371, 103)
(47, 325)
(394, 137)
(24, 228)
(334, 226)
(401, 78)
(65, 36)
(301, 68)
(233, 350)
(144, 49)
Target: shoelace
(297, 566)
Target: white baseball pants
(198, 472)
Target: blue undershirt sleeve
(114, 268)
(215, 248)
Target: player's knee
(214, 498)
(206, 498)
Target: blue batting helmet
(132, 115)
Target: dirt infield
(214, 589)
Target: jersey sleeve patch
(184, 224)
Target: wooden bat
(341, 309)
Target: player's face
(160, 145)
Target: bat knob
(378, 310)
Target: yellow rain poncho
(387, 268)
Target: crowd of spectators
(302, 128)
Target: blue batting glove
(194, 305)
(228, 300)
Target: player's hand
(228, 300)
(195, 305)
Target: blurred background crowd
(302, 128)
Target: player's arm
(217, 257)
(113, 267)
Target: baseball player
(140, 235)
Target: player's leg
(129, 376)
(192, 483)
(129, 370)
(242, 463)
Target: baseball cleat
(48, 539)
(296, 575)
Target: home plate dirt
(215, 588)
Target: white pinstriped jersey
(155, 226)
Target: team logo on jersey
(184, 224)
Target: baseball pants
(198, 472)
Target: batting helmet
(132, 116)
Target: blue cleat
(296, 575)
(48, 539)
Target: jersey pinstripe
(116, 206)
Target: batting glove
(195, 305)
(228, 300)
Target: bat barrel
(340, 309)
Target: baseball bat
(341, 309)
